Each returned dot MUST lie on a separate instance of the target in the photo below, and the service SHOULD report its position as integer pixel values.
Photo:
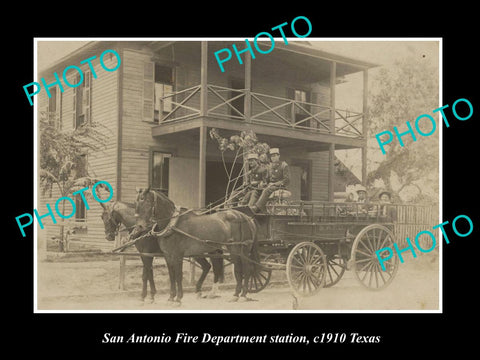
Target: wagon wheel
(306, 268)
(336, 266)
(259, 278)
(364, 261)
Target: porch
(305, 120)
(258, 109)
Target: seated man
(361, 198)
(256, 180)
(390, 212)
(278, 178)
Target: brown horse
(117, 213)
(197, 234)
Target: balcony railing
(228, 103)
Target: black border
(405, 333)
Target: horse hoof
(201, 296)
(152, 301)
(233, 299)
(213, 296)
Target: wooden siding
(101, 164)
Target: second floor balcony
(248, 106)
(289, 94)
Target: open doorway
(305, 169)
(217, 180)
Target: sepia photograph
(238, 175)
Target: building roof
(302, 48)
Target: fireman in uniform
(256, 180)
(278, 178)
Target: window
(81, 101)
(301, 97)
(163, 86)
(80, 212)
(160, 171)
(54, 107)
(80, 171)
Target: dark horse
(197, 234)
(117, 213)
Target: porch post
(331, 150)
(248, 84)
(204, 79)
(202, 164)
(365, 127)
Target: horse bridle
(152, 220)
(111, 220)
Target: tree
(403, 93)
(62, 159)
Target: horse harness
(171, 228)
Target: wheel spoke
(370, 279)
(367, 267)
(316, 282)
(366, 272)
(302, 257)
(307, 281)
(256, 284)
(331, 267)
(363, 253)
(367, 240)
(384, 242)
(380, 272)
(362, 260)
(298, 260)
(297, 267)
(263, 276)
(374, 268)
(329, 274)
(298, 276)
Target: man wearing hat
(361, 193)
(256, 180)
(278, 178)
(386, 210)
(361, 198)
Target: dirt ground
(94, 285)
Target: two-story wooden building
(155, 112)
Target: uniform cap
(252, 156)
(274, 151)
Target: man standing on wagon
(278, 178)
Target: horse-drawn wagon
(314, 242)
